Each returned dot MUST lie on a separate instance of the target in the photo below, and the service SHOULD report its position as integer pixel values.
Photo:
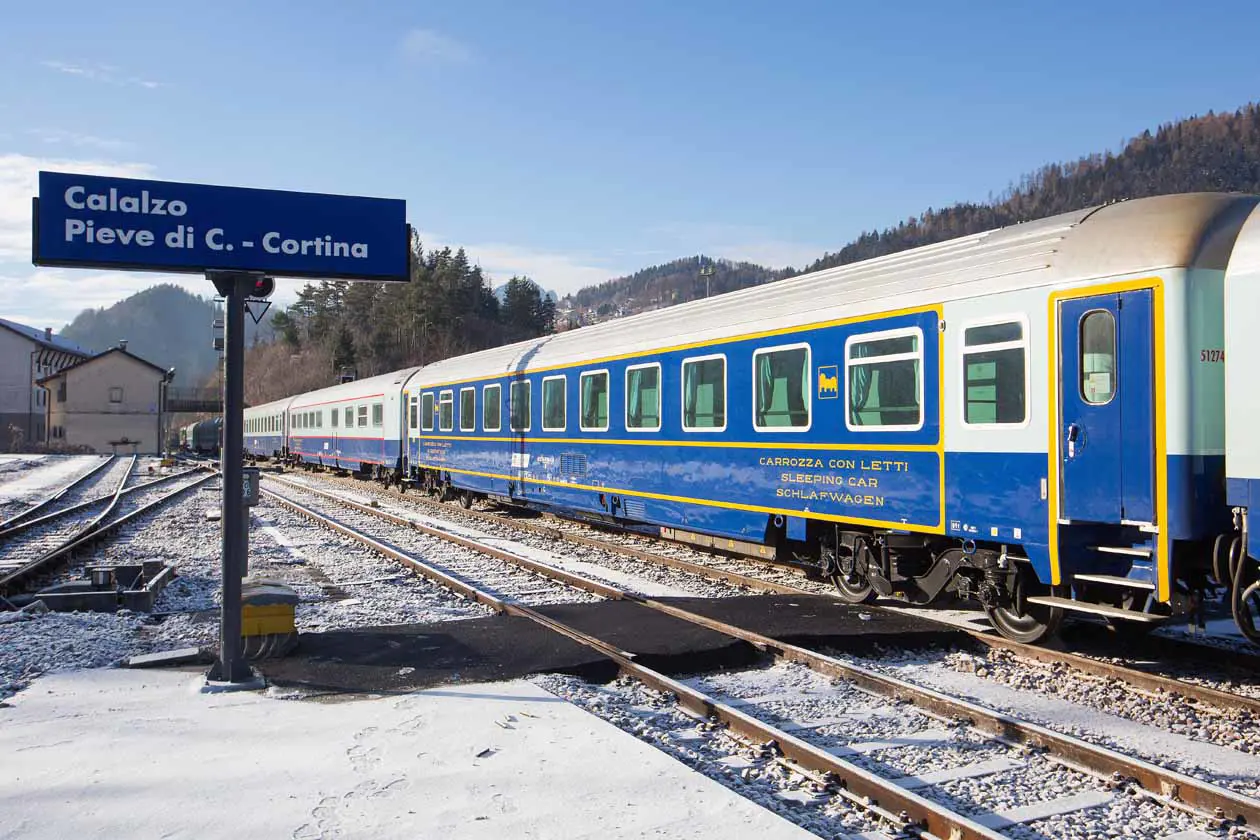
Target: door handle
(1073, 435)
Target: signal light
(262, 287)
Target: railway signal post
(239, 239)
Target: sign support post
(231, 667)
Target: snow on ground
(105, 754)
(1239, 770)
(29, 478)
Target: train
(203, 437)
(1040, 418)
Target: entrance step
(1096, 609)
(1136, 551)
(1116, 580)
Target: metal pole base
(251, 680)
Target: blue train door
(1106, 408)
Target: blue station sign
(89, 221)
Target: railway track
(786, 579)
(35, 548)
(840, 768)
(97, 484)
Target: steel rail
(96, 529)
(81, 506)
(901, 807)
(11, 523)
(1155, 781)
(1143, 680)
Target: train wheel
(466, 499)
(855, 590)
(1022, 621)
(852, 585)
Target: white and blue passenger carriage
(355, 426)
(1031, 417)
(265, 429)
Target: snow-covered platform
(108, 753)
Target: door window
(1098, 357)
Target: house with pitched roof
(28, 354)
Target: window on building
(1098, 357)
(61, 391)
(115, 395)
(643, 398)
(554, 394)
(518, 414)
(446, 411)
(995, 374)
(378, 415)
(594, 401)
(781, 392)
(491, 408)
(884, 382)
(704, 394)
(362, 416)
(467, 409)
(426, 412)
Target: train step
(1128, 551)
(1115, 580)
(1095, 609)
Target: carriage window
(426, 412)
(553, 418)
(319, 419)
(468, 409)
(446, 411)
(518, 413)
(704, 394)
(594, 388)
(643, 398)
(412, 414)
(334, 415)
(378, 414)
(882, 377)
(349, 416)
(491, 408)
(362, 416)
(1098, 357)
(781, 388)
(994, 374)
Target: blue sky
(579, 141)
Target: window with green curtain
(553, 419)
(704, 394)
(446, 411)
(468, 410)
(781, 378)
(643, 398)
(426, 412)
(491, 408)
(994, 374)
(518, 414)
(884, 383)
(595, 401)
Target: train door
(1107, 409)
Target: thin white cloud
(106, 73)
(19, 182)
(62, 137)
(52, 297)
(429, 45)
(558, 272)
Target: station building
(110, 402)
(26, 355)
